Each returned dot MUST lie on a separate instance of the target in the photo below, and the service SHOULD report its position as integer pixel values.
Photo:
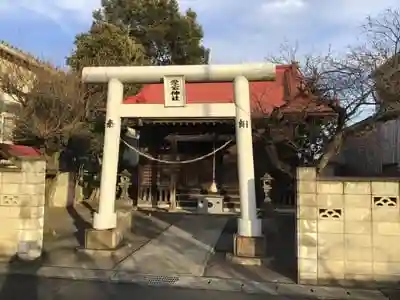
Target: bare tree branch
(367, 75)
(53, 106)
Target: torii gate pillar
(249, 226)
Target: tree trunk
(332, 149)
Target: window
(7, 124)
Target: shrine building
(166, 185)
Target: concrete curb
(195, 282)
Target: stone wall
(22, 210)
(348, 229)
(63, 190)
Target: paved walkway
(65, 233)
(183, 249)
(166, 250)
(31, 288)
(22, 287)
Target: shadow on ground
(64, 234)
(11, 284)
(22, 285)
(280, 265)
(65, 229)
(81, 225)
(51, 289)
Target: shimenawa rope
(148, 156)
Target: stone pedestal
(210, 204)
(124, 219)
(248, 250)
(109, 239)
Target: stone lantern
(266, 182)
(124, 184)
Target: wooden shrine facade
(179, 185)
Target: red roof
(265, 95)
(19, 151)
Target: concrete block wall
(22, 198)
(62, 190)
(348, 229)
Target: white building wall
(7, 120)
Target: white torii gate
(248, 225)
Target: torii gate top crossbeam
(192, 73)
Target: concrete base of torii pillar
(248, 250)
(111, 239)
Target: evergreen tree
(168, 36)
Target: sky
(237, 31)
